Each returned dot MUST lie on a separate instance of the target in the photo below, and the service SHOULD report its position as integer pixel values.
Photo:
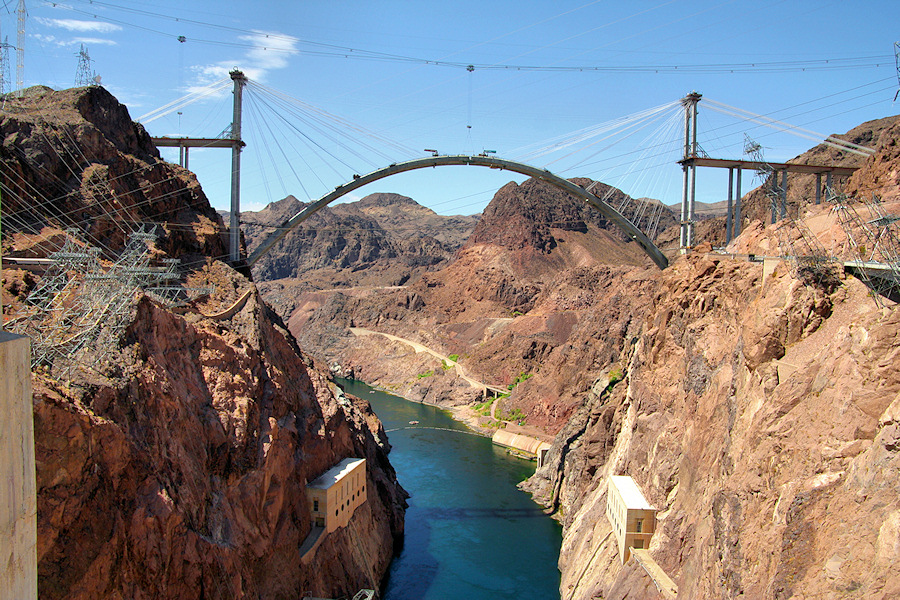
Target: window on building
(639, 525)
(315, 506)
(639, 544)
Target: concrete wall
(18, 497)
(518, 441)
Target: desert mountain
(172, 455)
(381, 239)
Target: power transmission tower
(20, 48)
(4, 66)
(78, 312)
(897, 62)
(84, 75)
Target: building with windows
(334, 495)
(632, 518)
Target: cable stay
(788, 128)
(180, 103)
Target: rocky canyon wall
(172, 461)
(759, 418)
(759, 414)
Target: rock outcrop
(173, 463)
(757, 418)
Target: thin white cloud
(270, 50)
(79, 26)
(95, 42)
(52, 40)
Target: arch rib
(481, 161)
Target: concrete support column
(690, 171)
(784, 193)
(683, 242)
(818, 188)
(737, 205)
(18, 488)
(830, 185)
(773, 200)
(235, 222)
(728, 214)
(691, 212)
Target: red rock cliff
(176, 466)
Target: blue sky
(397, 70)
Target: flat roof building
(633, 519)
(335, 494)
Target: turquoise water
(470, 533)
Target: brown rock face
(176, 465)
(186, 477)
(747, 415)
(74, 159)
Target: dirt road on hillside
(360, 331)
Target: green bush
(519, 379)
(425, 374)
(615, 376)
(516, 415)
(454, 357)
(484, 408)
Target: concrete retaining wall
(520, 442)
(18, 498)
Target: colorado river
(470, 533)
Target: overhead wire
(363, 54)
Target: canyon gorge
(756, 405)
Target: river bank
(470, 531)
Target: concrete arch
(480, 161)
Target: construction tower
(20, 48)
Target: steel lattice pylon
(79, 305)
(876, 252)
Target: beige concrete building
(335, 494)
(632, 518)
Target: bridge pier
(689, 188)
(737, 206)
(728, 209)
(235, 223)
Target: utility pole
(689, 187)
(235, 224)
(20, 48)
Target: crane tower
(20, 48)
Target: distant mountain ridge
(382, 239)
